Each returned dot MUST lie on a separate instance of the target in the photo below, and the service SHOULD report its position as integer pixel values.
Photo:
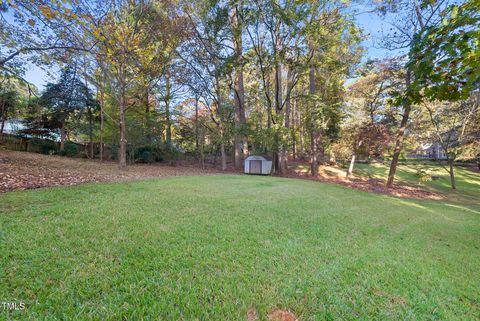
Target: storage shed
(260, 165)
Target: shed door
(255, 167)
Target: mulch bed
(370, 185)
(20, 171)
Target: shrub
(42, 146)
(144, 154)
(70, 150)
(423, 175)
(151, 154)
(148, 154)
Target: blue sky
(369, 22)
(372, 26)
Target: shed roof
(258, 157)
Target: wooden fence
(26, 144)
(40, 145)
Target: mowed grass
(213, 247)
(467, 181)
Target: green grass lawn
(213, 247)
(468, 182)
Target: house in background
(429, 150)
(434, 149)
(12, 126)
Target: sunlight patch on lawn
(469, 181)
(462, 208)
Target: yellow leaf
(47, 12)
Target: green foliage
(61, 105)
(14, 94)
(445, 59)
(423, 175)
(150, 154)
(147, 154)
(8, 102)
(47, 147)
(70, 150)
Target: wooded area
(155, 79)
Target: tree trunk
(400, 137)
(63, 134)
(168, 134)
(352, 163)
(278, 154)
(222, 149)
(313, 130)
(197, 145)
(102, 106)
(90, 114)
(302, 140)
(224, 156)
(123, 140)
(279, 161)
(288, 110)
(2, 125)
(202, 154)
(147, 114)
(4, 117)
(269, 106)
(237, 142)
(313, 153)
(102, 102)
(90, 131)
(356, 145)
(452, 175)
(239, 91)
(278, 87)
(220, 124)
(199, 138)
(292, 131)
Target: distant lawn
(213, 247)
(468, 182)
